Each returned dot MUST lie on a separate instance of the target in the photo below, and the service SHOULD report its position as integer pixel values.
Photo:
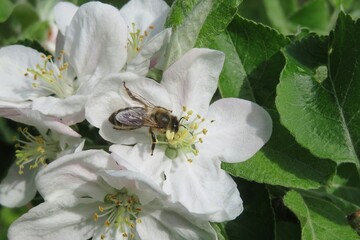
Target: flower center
(185, 139)
(52, 76)
(120, 211)
(136, 40)
(34, 150)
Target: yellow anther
(95, 216)
(107, 223)
(101, 209)
(102, 236)
(151, 27)
(183, 108)
(138, 220)
(62, 52)
(190, 160)
(40, 149)
(201, 140)
(204, 131)
(189, 112)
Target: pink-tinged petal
(141, 63)
(16, 189)
(164, 224)
(72, 108)
(63, 14)
(206, 190)
(144, 13)
(192, 80)
(53, 221)
(75, 175)
(96, 40)
(240, 129)
(14, 62)
(35, 118)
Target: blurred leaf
(314, 15)
(323, 114)
(319, 219)
(7, 134)
(278, 12)
(252, 64)
(196, 22)
(342, 3)
(287, 231)
(14, 28)
(6, 8)
(257, 219)
(283, 162)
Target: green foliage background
(299, 60)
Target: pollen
(49, 76)
(33, 151)
(136, 40)
(119, 212)
(184, 142)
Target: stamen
(34, 150)
(121, 212)
(186, 138)
(51, 76)
(136, 41)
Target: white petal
(141, 63)
(145, 13)
(62, 108)
(35, 118)
(206, 190)
(14, 62)
(240, 129)
(63, 14)
(96, 40)
(139, 158)
(171, 225)
(75, 175)
(51, 221)
(192, 80)
(16, 189)
(135, 182)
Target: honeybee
(155, 117)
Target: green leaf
(323, 115)
(220, 230)
(344, 188)
(6, 8)
(252, 63)
(257, 219)
(283, 162)
(319, 219)
(196, 22)
(314, 15)
(217, 21)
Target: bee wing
(137, 97)
(132, 117)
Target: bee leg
(153, 138)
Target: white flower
(94, 45)
(186, 162)
(146, 37)
(88, 195)
(33, 153)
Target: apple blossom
(146, 37)
(59, 87)
(88, 195)
(230, 130)
(33, 153)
